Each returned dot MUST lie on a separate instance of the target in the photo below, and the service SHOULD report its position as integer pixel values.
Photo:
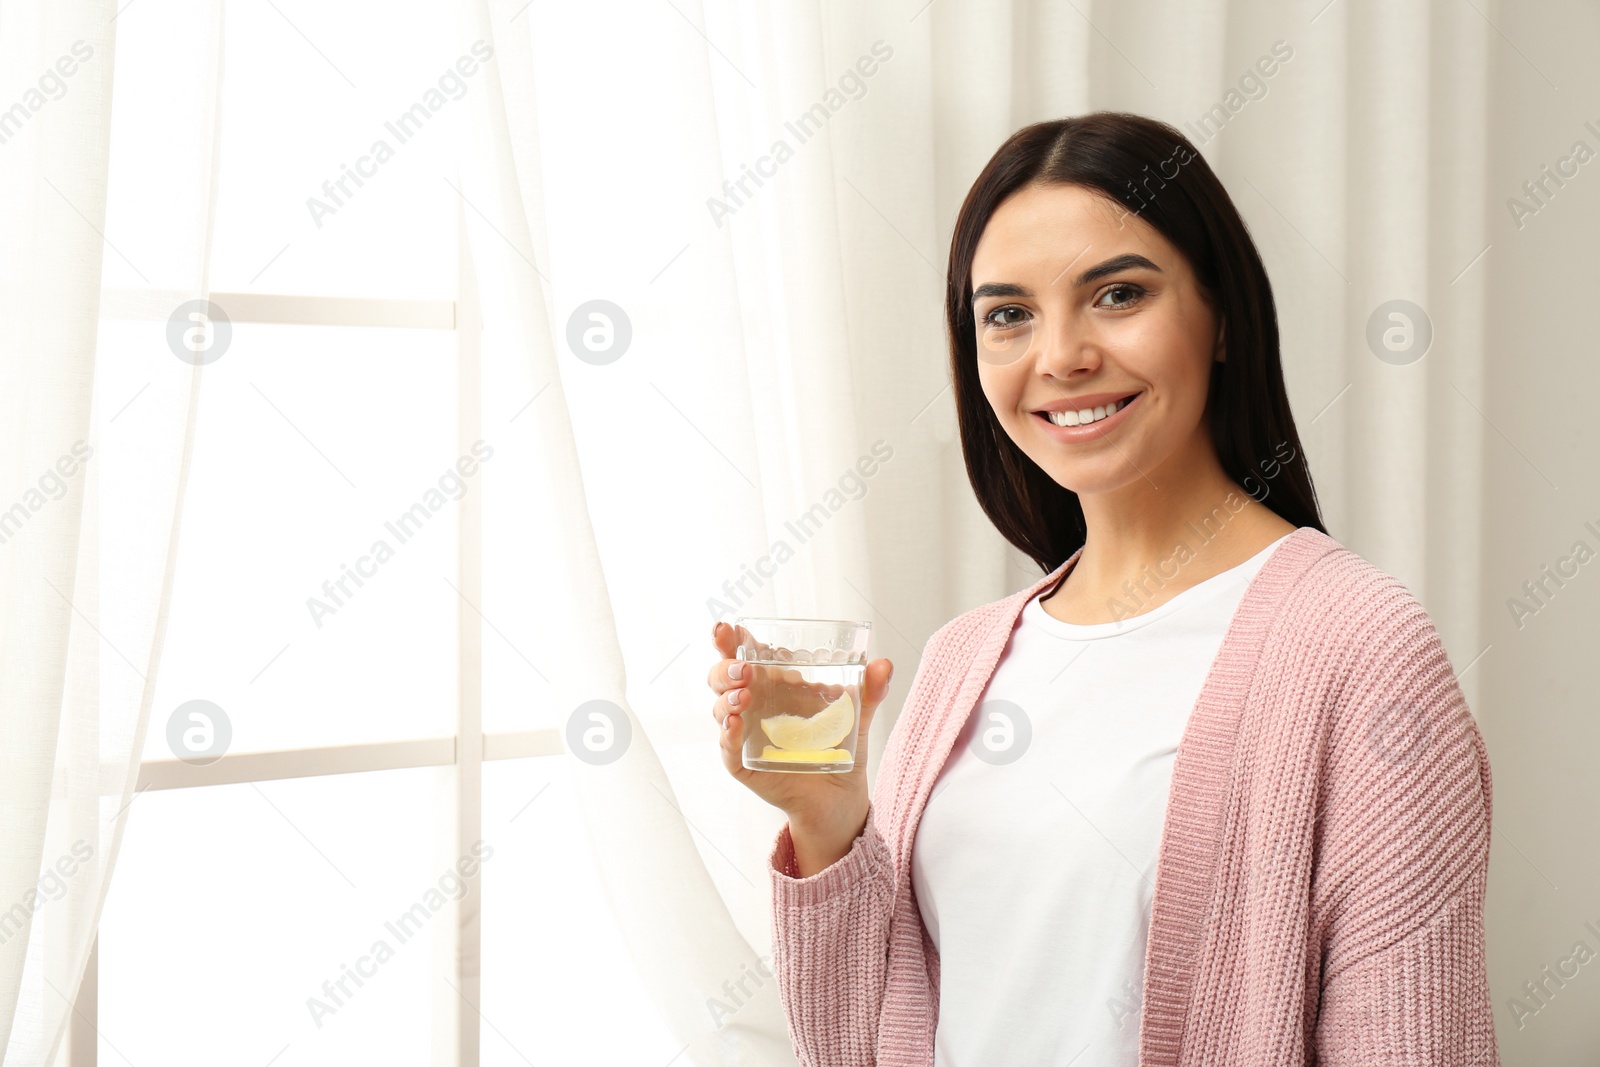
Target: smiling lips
(1086, 411)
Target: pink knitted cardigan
(1320, 881)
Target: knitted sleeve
(1423, 1000)
(1406, 820)
(830, 948)
(831, 930)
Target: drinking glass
(805, 692)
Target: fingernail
(890, 677)
(733, 697)
(727, 723)
(736, 671)
(716, 629)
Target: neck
(1147, 518)
(1165, 531)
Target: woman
(1221, 800)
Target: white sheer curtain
(777, 331)
(92, 462)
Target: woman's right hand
(823, 804)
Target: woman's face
(1077, 303)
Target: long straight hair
(1156, 173)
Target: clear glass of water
(805, 692)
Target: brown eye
(1126, 288)
(997, 318)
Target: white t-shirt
(1034, 862)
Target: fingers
(726, 637)
(728, 672)
(729, 678)
(730, 725)
(732, 732)
(730, 704)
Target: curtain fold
(672, 915)
(92, 485)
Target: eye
(1122, 287)
(996, 317)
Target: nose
(1062, 350)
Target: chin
(1088, 479)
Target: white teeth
(1086, 415)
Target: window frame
(466, 749)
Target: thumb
(875, 686)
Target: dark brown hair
(1155, 172)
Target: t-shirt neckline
(1077, 631)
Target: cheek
(998, 388)
(1169, 354)
(987, 387)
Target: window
(300, 899)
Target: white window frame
(456, 1030)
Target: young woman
(1205, 793)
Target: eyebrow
(1126, 261)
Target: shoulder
(949, 657)
(975, 624)
(950, 653)
(1359, 639)
(965, 633)
(1400, 771)
(1333, 603)
(1332, 576)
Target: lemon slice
(813, 755)
(823, 730)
